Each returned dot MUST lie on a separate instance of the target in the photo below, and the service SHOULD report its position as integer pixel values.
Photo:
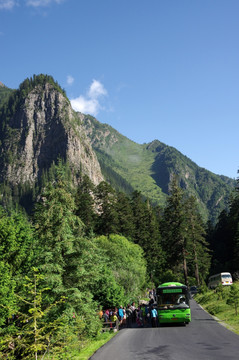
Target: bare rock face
(44, 129)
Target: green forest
(67, 251)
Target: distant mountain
(148, 168)
(38, 126)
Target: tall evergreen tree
(84, 201)
(141, 232)
(56, 229)
(107, 220)
(147, 235)
(69, 261)
(234, 226)
(125, 216)
(198, 251)
(174, 229)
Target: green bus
(173, 303)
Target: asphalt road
(204, 338)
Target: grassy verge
(215, 302)
(92, 345)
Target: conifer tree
(154, 253)
(56, 229)
(174, 229)
(224, 240)
(147, 235)
(107, 220)
(141, 233)
(69, 261)
(197, 246)
(233, 219)
(84, 201)
(125, 216)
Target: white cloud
(96, 90)
(90, 104)
(7, 4)
(70, 80)
(38, 3)
(87, 106)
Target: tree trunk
(185, 269)
(196, 265)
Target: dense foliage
(4, 93)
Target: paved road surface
(202, 339)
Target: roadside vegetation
(223, 303)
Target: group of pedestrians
(145, 315)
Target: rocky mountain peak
(43, 127)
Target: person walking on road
(121, 314)
(128, 317)
(154, 315)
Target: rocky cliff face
(40, 131)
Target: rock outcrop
(42, 129)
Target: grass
(83, 350)
(216, 304)
(93, 345)
(134, 163)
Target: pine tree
(147, 235)
(125, 216)
(197, 246)
(154, 253)
(107, 220)
(84, 201)
(233, 219)
(70, 262)
(141, 233)
(57, 229)
(174, 229)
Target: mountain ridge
(149, 168)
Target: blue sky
(152, 69)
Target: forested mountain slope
(148, 168)
(4, 92)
